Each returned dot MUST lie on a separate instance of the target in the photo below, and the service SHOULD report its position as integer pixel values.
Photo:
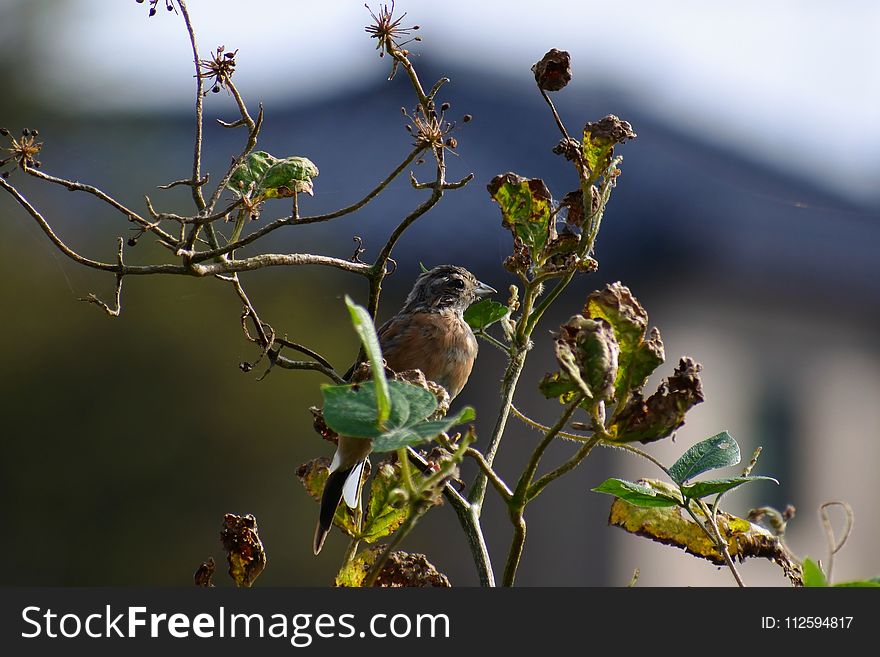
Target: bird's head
(445, 286)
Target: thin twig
(75, 186)
(499, 484)
(198, 198)
(287, 364)
(555, 114)
(304, 350)
(718, 539)
(93, 298)
(834, 545)
(186, 182)
(519, 500)
(638, 452)
(535, 489)
(277, 260)
(491, 339)
(133, 270)
(418, 150)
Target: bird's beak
(483, 290)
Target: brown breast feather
(439, 344)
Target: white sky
(795, 82)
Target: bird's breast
(440, 344)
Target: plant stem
(508, 388)
(470, 524)
(519, 500)
(198, 198)
(545, 303)
(582, 453)
(715, 537)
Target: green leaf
(712, 486)
(719, 451)
(598, 143)
(525, 210)
(263, 176)
(559, 385)
(287, 177)
(355, 571)
(874, 582)
(484, 313)
(638, 357)
(422, 267)
(382, 517)
(351, 410)
(813, 575)
(365, 328)
(245, 180)
(421, 432)
(637, 494)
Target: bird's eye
(456, 283)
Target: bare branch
(253, 134)
(385, 254)
(436, 87)
(834, 545)
(304, 350)
(133, 216)
(197, 146)
(277, 260)
(231, 124)
(264, 339)
(92, 298)
(434, 185)
(288, 364)
(186, 181)
(493, 477)
(418, 150)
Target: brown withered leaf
(402, 569)
(518, 262)
(647, 420)
(610, 129)
(574, 204)
(204, 576)
(587, 351)
(320, 426)
(244, 549)
(672, 525)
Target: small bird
(429, 334)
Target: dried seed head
(444, 107)
(467, 118)
(553, 72)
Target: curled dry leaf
(244, 549)
(204, 576)
(671, 525)
(647, 420)
(403, 569)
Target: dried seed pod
(553, 72)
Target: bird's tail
(345, 482)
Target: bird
(428, 333)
